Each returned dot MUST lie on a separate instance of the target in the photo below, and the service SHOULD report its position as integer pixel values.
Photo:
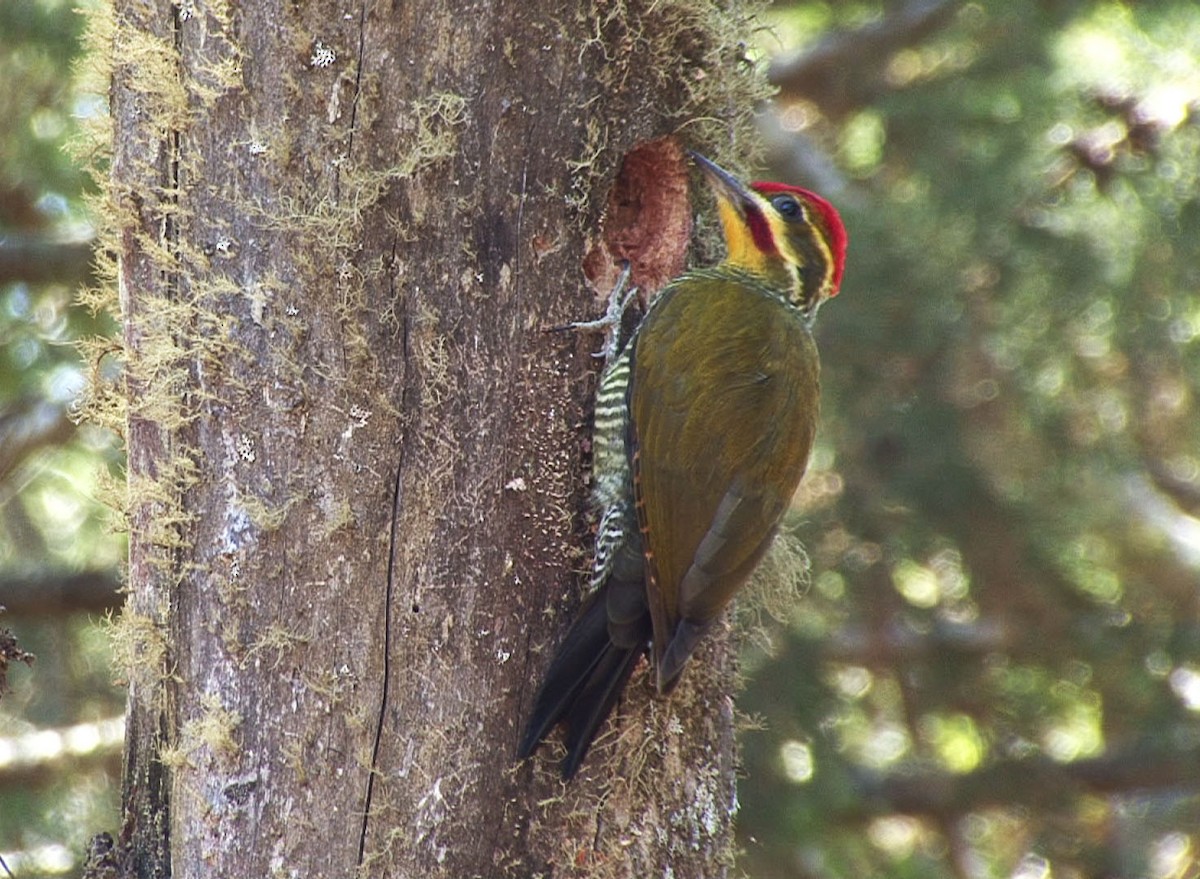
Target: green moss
(696, 49)
(211, 736)
(139, 649)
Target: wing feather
(723, 406)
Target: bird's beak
(727, 187)
(748, 236)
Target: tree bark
(357, 461)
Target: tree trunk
(358, 461)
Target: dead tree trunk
(357, 461)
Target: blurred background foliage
(996, 668)
(60, 730)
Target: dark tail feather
(596, 702)
(583, 683)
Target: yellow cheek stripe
(780, 231)
(743, 252)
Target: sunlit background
(995, 670)
(60, 723)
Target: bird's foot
(610, 322)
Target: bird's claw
(609, 323)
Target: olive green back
(724, 401)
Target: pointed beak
(727, 187)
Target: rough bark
(10, 652)
(357, 461)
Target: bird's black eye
(788, 206)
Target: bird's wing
(723, 404)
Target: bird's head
(773, 230)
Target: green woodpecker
(704, 423)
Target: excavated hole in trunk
(647, 221)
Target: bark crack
(387, 660)
(358, 72)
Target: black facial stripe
(814, 267)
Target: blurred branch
(1017, 579)
(899, 643)
(862, 645)
(40, 757)
(842, 71)
(26, 426)
(53, 593)
(794, 156)
(39, 259)
(1147, 503)
(1184, 492)
(1038, 781)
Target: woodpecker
(704, 422)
